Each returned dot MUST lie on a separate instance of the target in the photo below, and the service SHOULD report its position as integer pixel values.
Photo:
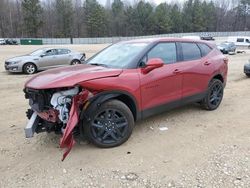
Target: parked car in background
(125, 82)
(42, 59)
(240, 41)
(2, 42)
(207, 37)
(247, 68)
(11, 42)
(227, 47)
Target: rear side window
(205, 49)
(165, 51)
(240, 39)
(190, 51)
(63, 51)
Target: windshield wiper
(99, 64)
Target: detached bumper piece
(30, 128)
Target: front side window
(165, 51)
(247, 40)
(50, 52)
(190, 51)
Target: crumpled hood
(69, 76)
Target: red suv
(124, 83)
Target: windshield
(118, 55)
(37, 52)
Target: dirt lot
(199, 149)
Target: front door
(162, 86)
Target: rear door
(64, 57)
(196, 68)
(161, 85)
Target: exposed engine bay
(55, 110)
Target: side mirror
(152, 64)
(42, 55)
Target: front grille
(7, 63)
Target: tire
(111, 124)
(75, 62)
(214, 95)
(29, 68)
(248, 75)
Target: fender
(102, 97)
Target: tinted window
(205, 49)
(51, 52)
(63, 51)
(165, 51)
(247, 40)
(240, 40)
(190, 51)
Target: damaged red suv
(126, 82)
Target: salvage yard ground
(199, 148)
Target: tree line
(88, 18)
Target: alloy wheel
(109, 126)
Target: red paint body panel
(69, 76)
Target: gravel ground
(198, 148)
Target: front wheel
(248, 75)
(111, 125)
(29, 68)
(214, 95)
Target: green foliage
(64, 10)
(95, 18)
(32, 11)
(163, 22)
(87, 18)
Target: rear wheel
(75, 62)
(111, 125)
(214, 95)
(29, 68)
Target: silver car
(43, 59)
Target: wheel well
(28, 63)
(75, 60)
(219, 77)
(129, 102)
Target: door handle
(207, 63)
(176, 71)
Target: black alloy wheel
(214, 95)
(111, 125)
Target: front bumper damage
(67, 141)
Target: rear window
(205, 49)
(240, 39)
(190, 51)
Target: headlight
(14, 62)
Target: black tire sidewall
(206, 101)
(25, 68)
(111, 104)
(73, 62)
